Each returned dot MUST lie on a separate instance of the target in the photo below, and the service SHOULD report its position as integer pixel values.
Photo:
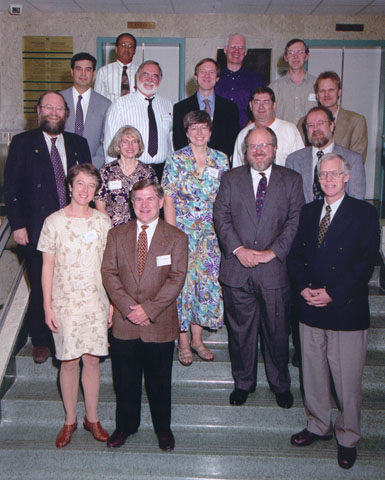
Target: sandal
(185, 355)
(203, 352)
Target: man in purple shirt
(235, 82)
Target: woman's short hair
(87, 169)
(114, 149)
(197, 116)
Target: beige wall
(203, 33)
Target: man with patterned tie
(34, 188)
(117, 79)
(330, 263)
(144, 269)
(256, 215)
(87, 109)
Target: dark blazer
(94, 124)
(236, 223)
(225, 124)
(29, 182)
(156, 290)
(343, 264)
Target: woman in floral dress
(191, 181)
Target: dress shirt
(294, 100)
(60, 146)
(289, 141)
(132, 110)
(315, 150)
(334, 207)
(149, 231)
(84, 103)
(211, 100)
(108, 81)
(238, 87)
(256, 178)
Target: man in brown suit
(144, 269)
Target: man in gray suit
(87, 108)
(320, 127)
(256, 216)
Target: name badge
(90, 236)
(213, 172)
(115, 184)
(312, 97)
(163, 260)
(166, 117)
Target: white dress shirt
(256, 178)
(149, 231)
(84, 102)
(334, 207)
(108, 81)
(60, 146)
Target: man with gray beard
(34, 187)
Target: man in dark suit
(256, 215)
(143, 287)
(224, 114)
(331, 262)
(87, 109)
(34, 188)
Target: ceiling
(270, 7)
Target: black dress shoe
(166, 442)
(238, 396)
(346, 456)
(284, 399)
(40, 354)
(117, 439)
(296, 360)
(304, 438)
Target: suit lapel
(269, 204)
(70, 126)
(159, 246)
(127, 243)
(43, 156)
(340, 221)
(245, 187)
(71, 151)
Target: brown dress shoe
(40, 354)
(96, 429)
(117, 439)
(65, 434)
(305, 438)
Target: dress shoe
(96, 429)
(40, 354)
(166, 442)
(296, 360)
(305, 438)
(284, 399)
(238, 396)
(346, 456)
(117, 439)
(65, 434)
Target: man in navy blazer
(224, 114)
(93, 105)
(31, 194)
(331, 261)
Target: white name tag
(213, 172)
(163, 260)
(166, 117)
(115, 184)
(90, 236)
(312, 97)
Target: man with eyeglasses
(34, 187)
(256, 215)
(330, 263)
(236, 83)
(117, 79)
(263, 105)
(147, 111)
(294, 91)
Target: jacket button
(309, 284)
(333, 268)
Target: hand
(110, 314)
(247, 257)
(50, 319)
(316, 297)
(21, 236)
(265, 256)
(138, 316)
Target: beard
(320, 142)
(147, 88)
(261, 164)
(49, 126)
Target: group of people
(178, 241)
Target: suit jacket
(29, 181)
(301, 161)
(225, 124)
(343, 264)
(350, 132)
(94, 124)
(236, 223)
(157, 288)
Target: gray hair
(232, 35)
(114, 149)
(148, 62)
(332, 156)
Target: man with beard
(34, 187)
(320, 125)
(150, 113)
(256, 215)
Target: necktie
(324, 225)
(261, 192)
(207, 106)
(142, 249)
(152, 130)
(79, 123)
(125, 85)
(318, 194)
(59, 174)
